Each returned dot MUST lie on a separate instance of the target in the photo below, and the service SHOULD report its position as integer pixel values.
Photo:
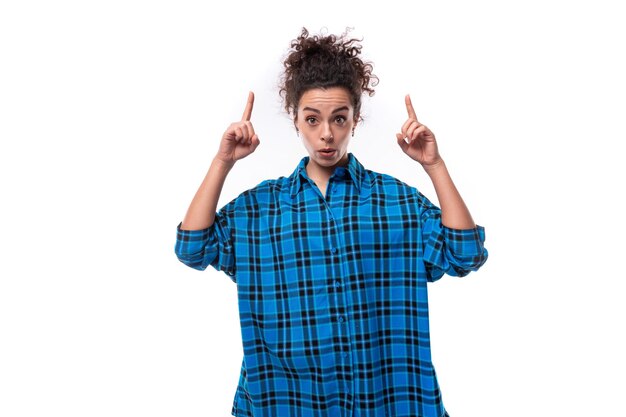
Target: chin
(327, 163)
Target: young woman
(331, 262)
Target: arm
(453, 243)
(201, 211)
(418, 142)
(238, 141)
(204, 237)
(454, 212)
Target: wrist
(435, 167)
(222, 165)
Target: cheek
(308, 143)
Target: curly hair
(325, 62)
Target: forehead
(325, 98)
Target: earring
(352, 131)
(298, 132)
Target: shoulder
(388, 190)
(270, 186)
(389, 185)
(265, 191)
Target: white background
(110, 113)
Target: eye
(340, 120)
(310, 120)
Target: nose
(327, 134)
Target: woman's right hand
(239, 140)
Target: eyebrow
(318, 112)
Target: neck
(321, 174)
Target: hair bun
(324, 62)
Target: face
(325, 120)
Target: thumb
(401, 142)
(255, 142)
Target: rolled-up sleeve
(211, 246)
(455, 252)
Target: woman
(331, 263)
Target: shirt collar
(354, 170)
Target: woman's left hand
(416, 140)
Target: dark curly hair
(325, 62)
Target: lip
(327, 152)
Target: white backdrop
(110, 113)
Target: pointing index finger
(409, 107)
(248, 111)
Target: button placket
(340, 296)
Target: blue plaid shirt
(332, 292)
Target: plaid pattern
(332, 292)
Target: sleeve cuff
(465, 241)
(191, 241)
(191, 232)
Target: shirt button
(333, 250)
(345, 355)
(337, 284)
(340, 319)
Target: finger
(427, 133)
(409, 126)
(405, 127)
(247, 113)
(251, 131)
(254, 142)
(237, 133)
(241, 133)
(412, 128)
(401, 142)
(409, 107)
(417, 133)
(246, 133)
